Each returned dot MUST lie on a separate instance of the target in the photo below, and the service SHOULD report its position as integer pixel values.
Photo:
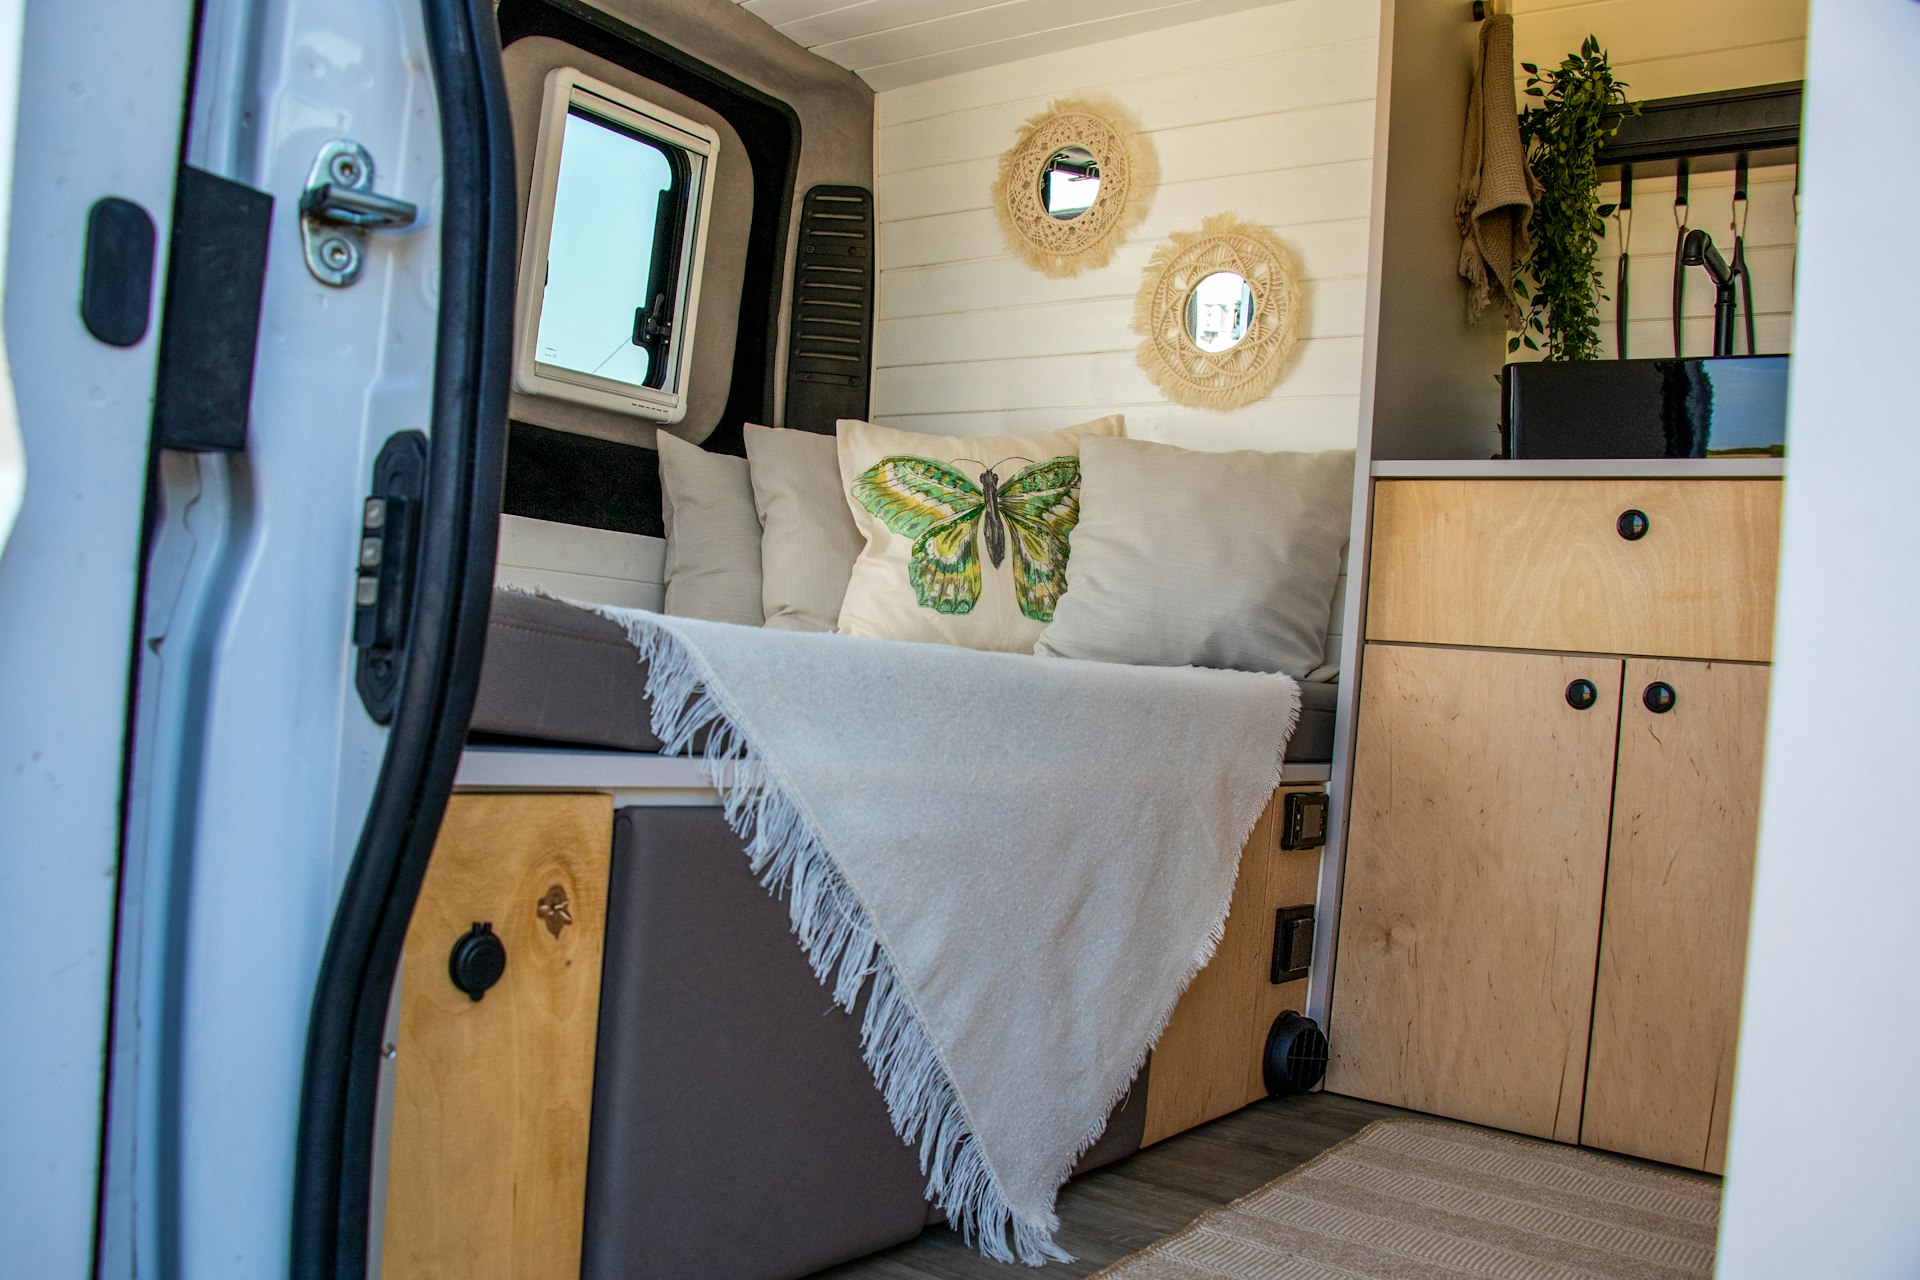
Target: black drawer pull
(1582, 694)
(1659, 697)
(1633, 524)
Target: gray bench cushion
(560, 674)
(555, 673)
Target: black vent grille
(830, 342)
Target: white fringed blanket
(1025, 859)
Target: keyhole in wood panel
(555, 911)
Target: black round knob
(1659, 697)
(1633, 524)
(477, 961)
(1582, 694)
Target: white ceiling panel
(890, 43)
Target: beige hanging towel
(1496, 187)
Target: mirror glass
(1219, 311)
(1069, 183)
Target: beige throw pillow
(1203, 559)
(713, 534)
(808, 540)
(966, 536)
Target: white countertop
(1582, 469)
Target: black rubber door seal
(441, 663)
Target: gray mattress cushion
(561, 674)
(737, 1134)
(556, 673)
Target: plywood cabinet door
(1673, 943)
(1476, 860)
(492, 1097)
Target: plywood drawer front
(1541, 564)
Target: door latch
(383, 581)
(339, 207)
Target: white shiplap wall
(1267, 113)
(1662, 49)
(889, 43)
(1770, 261)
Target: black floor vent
(830, 344)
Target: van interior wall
(572, 464)
(1663, 49)
(1431, 378)
(1267, 112)
(527, 63)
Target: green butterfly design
(944, 512)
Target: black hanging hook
(1739, 260)
(1623, 218)
(1679, 240)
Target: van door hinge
(383, 583)
(339, 207)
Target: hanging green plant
(1564, 130)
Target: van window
(616, 222)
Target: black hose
(1679, 268)
(1620, 269)
(1739, 262)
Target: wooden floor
(1123, 1208)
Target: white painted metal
(574, 769)
(578, 563)
(567, 88)
(253, 760)
(98, 114)
(890, 43)
(634, 777)
(13, 457)
(1824, 1154)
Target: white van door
(242, 612)
(96, 116)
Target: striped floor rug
(1414, 1198)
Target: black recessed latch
(1303, 821)
(1292, 944)
(383, 581)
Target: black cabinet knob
(1582, 694)
(1633, 524)
(477, 961)
(1659, 697)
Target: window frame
(567, 90)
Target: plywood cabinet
(1478, 848)
(1544, 911)
(493, 1097)
(1679, 883)
(1208, 1060)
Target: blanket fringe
(1202, 957)
(846, 954)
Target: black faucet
(1697, 251)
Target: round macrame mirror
(1218, 313)
(1072, 185)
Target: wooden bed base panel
(1208, 1060)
